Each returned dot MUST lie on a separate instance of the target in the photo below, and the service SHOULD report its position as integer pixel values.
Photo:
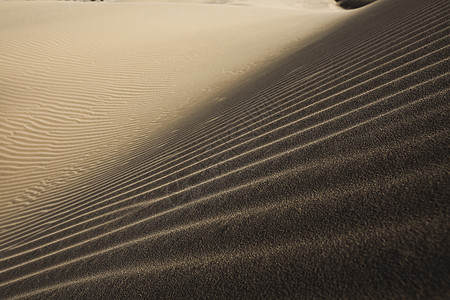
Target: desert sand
(81, 81)
(224, 149)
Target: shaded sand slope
(80, 83)
(325, 176)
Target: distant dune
(311, 160)
(350, 4)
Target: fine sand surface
(277, 150)
(82, 82)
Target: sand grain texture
(323, 176)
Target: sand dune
(320, 175)
(83, 81)
(351, 4)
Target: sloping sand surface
(323, 175)
(82, 82)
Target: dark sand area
(324, 177)
(351, 4)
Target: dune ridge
(325, 176)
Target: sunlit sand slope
(324, 177)
(81, 82)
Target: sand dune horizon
(271, 149)
(351, 4)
